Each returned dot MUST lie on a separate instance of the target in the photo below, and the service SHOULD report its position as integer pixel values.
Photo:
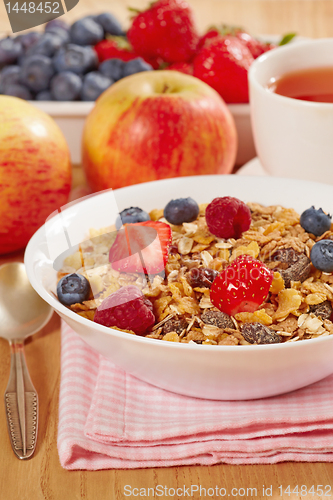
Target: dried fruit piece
(218, 319)
(201, 277)
(256, 333)
(299, 265)
(177, 324)
(323, 310)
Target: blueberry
(315, 221)
(66, 86)
(60, 32)
(86, 32)
(72, 289)
(112, 68)
(46, 45)
(44, 95)
(130, 216)
(29, 39)
(59, 23)
(94, 84)
(10, 51)
(322, 255)
(136, 66)
(10, 75)
(109, 24)
(37, 71)
(18, 90)
(75, 58)
(181, 210)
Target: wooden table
(42, 477)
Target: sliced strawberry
(141, 247)
(241, 287)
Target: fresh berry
(44, 95)
(17, 90)
(255, 46)
(94, 84)
(115, 48)
(315, 221)
(223, 64)
(141, 247)
(86, 31)
(10, 50)
(181, 210)
(228, 217)
(182, 67)
(131, 216)
(59, 23)
(72, 289)
(36, 72)
(75, 58)
(59, 31)
(112, 68)
(66, 86)
(166, 29)
(322, 255)
(201, 277)
(127, 309)
(28, 39)
(110, 24)
(9, 75)
(47, 45)
(242, 286)
(136, 65)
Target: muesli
(205, 292)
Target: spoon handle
(21, 402)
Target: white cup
(293, 138)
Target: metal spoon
(22, 313)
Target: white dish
(213, 372)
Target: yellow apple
(154, 125)
(35, 171)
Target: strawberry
(141, 247)
(223, 64)
(115, 47)
(255, 46)
(241, 287)
(183, 67)
(166, 30)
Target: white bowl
(204, 371)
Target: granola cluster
(298, 306)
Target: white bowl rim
(63, 310)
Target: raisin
(201, 277)
(217, 318)
(256, 333)
(173, 249)
(322, 310)
(177, 324)
(292, 266)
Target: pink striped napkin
(109, 419)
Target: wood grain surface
(42, 477)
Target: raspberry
(128, 309)
(228, 217)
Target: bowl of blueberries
(59, 69)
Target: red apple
(154, 125)
(35, 171)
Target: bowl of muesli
(217, 287)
